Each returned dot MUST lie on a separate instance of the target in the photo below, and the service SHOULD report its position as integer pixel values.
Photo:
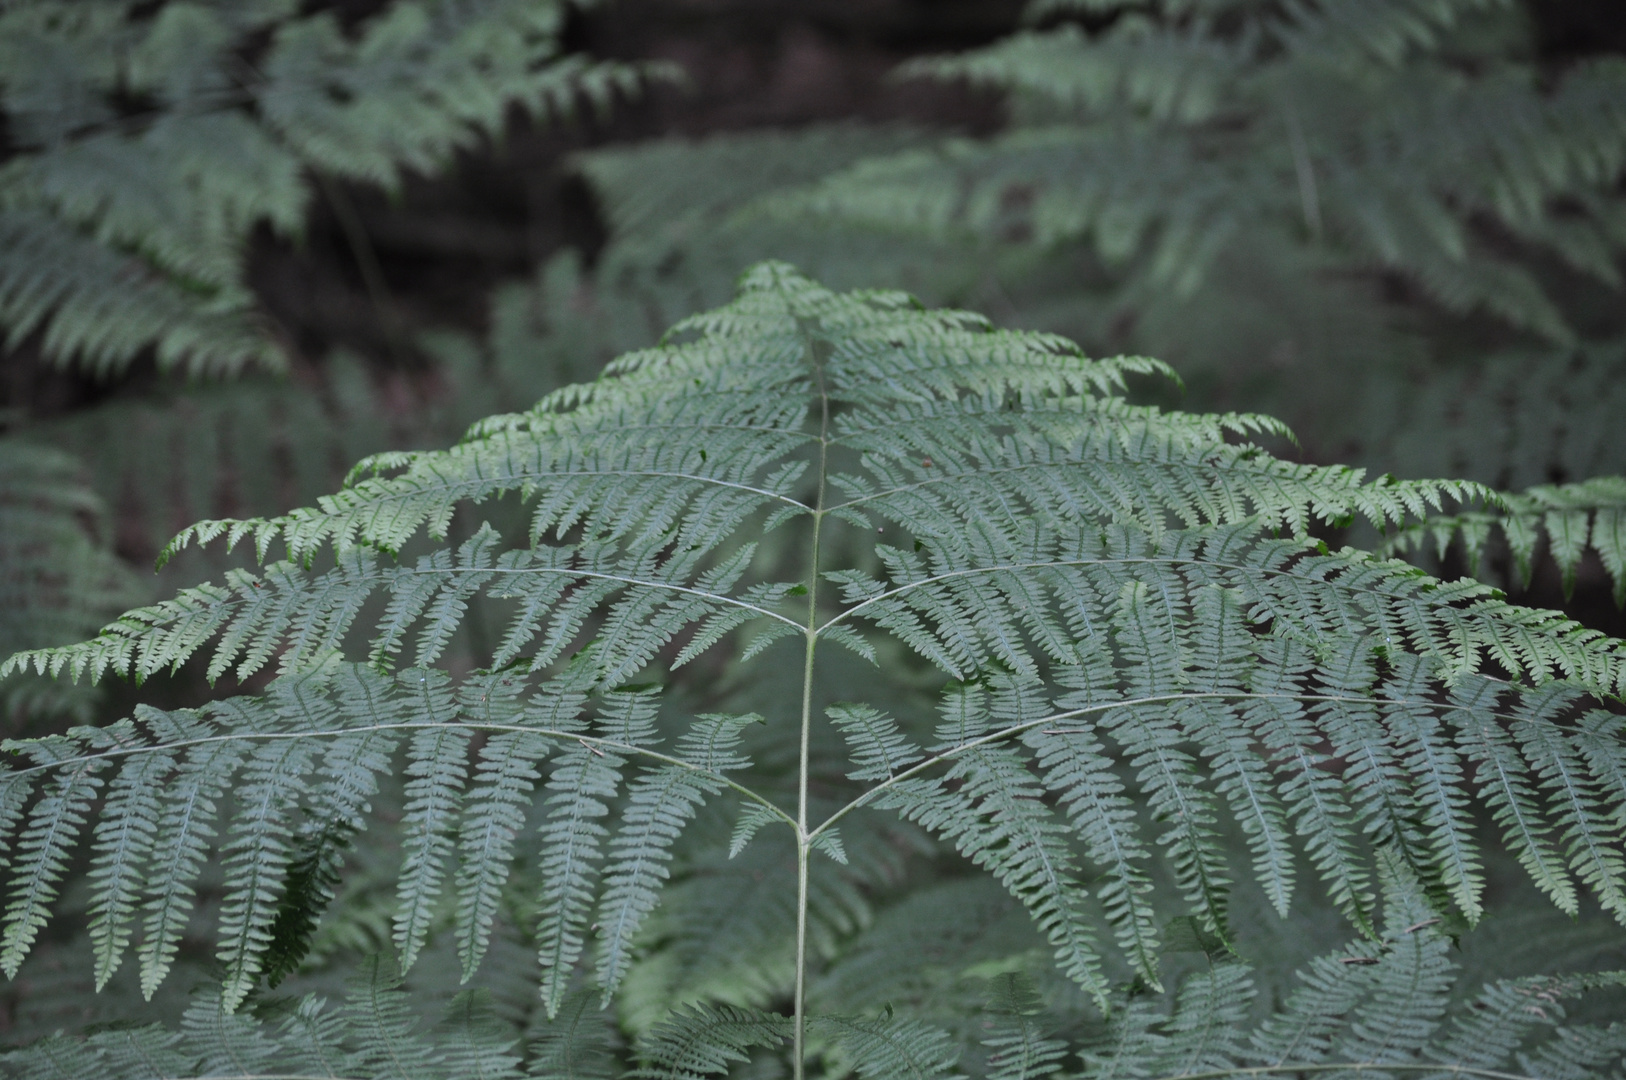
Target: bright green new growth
(1134, 638)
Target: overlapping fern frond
(256, 445)
(1138, 647)
(1386, 1007)
(123, 226)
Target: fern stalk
(804, 836)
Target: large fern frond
(1095, 584)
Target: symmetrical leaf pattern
(1139, 651)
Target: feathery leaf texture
(1514, 420)
(58, 574)
(1161, 139)
(122, 231)
(1575, 519)
(1141, 645)
(1386, 1007)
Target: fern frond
(41, 849)
(1373, 1007)
(577, 1042)
(123, 233)
(659, 805)
(100, 307)
(437, 765)
(1017, 1048)
(876, 1047)
(260, 849)
(1589, 516)
(580, 788)
(495, 813)
(122, 858)
(996, 818)
(1162, 138)
(1135, 635)
(1340, 1019)
(1512, 421)
(183, 843)
(58, 575)
(706, 1041)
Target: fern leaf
(389, 1032)
(879, 749)
(180, 851)
(437, 767)
(583, 782)
(1139, 636)
(493, 815)
(577, 1042)
(705, 1041)
(42, 849)
(257, 858)
(118, 241)
(659, 804)
(1077, 770)
(123, 854)
(997, 820)
(875, 1047)
(1017, 1047)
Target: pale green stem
(803, 840)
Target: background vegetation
(243, 246)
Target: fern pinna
(1137, 652)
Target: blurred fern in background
(1396, 223)
(59, 579)
(1177, 157)
(150, 141)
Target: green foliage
(1379, 128)
(1333, 209)
(1378, 1007)
(1514, 420)
(1574, 518)
(255, 446)
(678, 239)
(154, 139)
(60, 578)
(1154, 690)
(1155, 192)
